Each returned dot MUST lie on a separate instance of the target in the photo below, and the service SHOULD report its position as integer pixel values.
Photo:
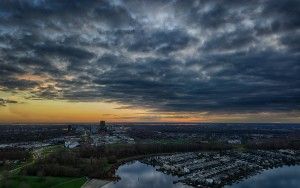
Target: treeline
(275, 145)
(12, 137)
(67, 164)
(96, 162)
(14, 154)
(125, 151)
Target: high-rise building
(102, 126)
(69, 128)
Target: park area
(38, 182)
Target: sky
(149, 60)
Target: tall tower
(102, 126)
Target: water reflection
(286, 176)
(139, 175)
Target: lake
(140, 175)
(286, 176)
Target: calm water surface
(283, 177)
(139, 175)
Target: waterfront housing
(216, 169)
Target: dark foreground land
(68, 155)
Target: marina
(228, 169)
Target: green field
(42, 182)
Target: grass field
(42, 182)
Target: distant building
(234, 141)
(79, 129)
(71, 144)
(209, 180)
(85, 137)
(102, 126)
(93, 129)
(69, 128)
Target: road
(94, 183)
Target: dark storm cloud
(63, 51)
(230, 41)
(13, 84)
(161, 41)
(189, 56)
(4, 102)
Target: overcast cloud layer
(189, 56)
